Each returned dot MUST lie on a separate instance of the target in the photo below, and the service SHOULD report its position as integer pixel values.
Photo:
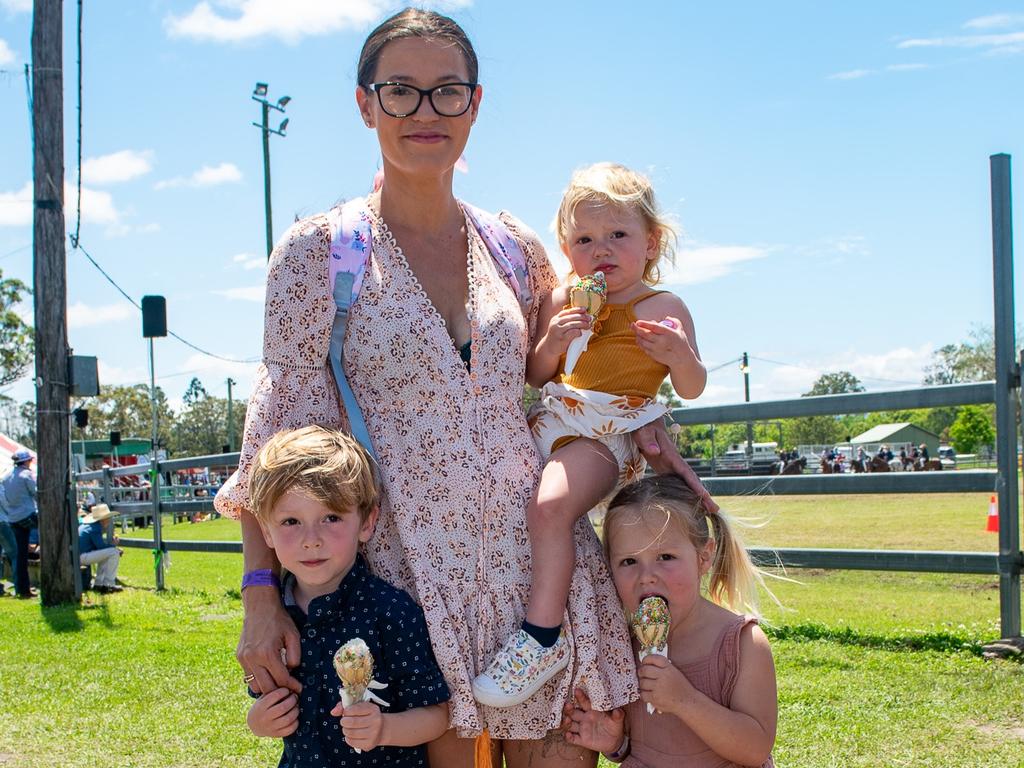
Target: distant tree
(127, 409)
(972, 429)
(668, 396)
(16, 339)
(18, 421)
(201, 427)
(837, 383)
(973, 360)
(825, 430)
(195, 392)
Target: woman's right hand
(590, 728)
(267, 630)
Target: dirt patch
(1002, 732)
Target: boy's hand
(586, 727)
(665, 342)
(563, 328)
(662, 685)
(362, 724)
(274, 714)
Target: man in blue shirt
(20, 502)
(94, 549)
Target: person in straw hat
(93, 548)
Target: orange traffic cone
(993, 516)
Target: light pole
(745, 368)
(259, 94)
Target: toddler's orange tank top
(613, 362)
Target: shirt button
(478, 390)
(472, 376)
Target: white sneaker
(519, 670)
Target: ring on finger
(248, 678)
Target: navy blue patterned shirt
(393, 627)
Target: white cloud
(207, 176)
(246, 293)
(97, 207)
(83, 316)
(905, 67)
(995, 21)
(123, 230)
(7, 56)
(889, 369)
(1006, 40)
(17, 6)
(16, 207)
(112, 374)
(705, 263)
(240, 20)
(250, 261)
(118, 166)
(852, 74)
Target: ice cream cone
(650, 623)
(588, 292)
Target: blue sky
(827, 163)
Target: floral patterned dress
(457, 460)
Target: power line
(76, 243)
(138, 306)
(821, 373)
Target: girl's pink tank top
(661, 741)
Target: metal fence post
(1007, 397)
(158, 538)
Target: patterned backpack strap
(505, 251)
(350, 251)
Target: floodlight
(284, 124)
(261, 89)
(283, 101)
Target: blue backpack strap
(506, 252)
(350, 251)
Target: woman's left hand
(661, 453)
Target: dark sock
(546, 636)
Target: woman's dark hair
(413, 22)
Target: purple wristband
(262, 577)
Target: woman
(435, 353)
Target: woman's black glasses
(447, 99)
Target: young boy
(314, 494)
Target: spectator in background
(94, 549)
(8, 546)
(19, 490)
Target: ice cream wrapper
(650, 624)
(354, 664)
(588, 292)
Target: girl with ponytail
(714, 696)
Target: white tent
(8, 448)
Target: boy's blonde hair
(733, 579)
(326, 465)
(614, 184)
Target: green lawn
(875, 669)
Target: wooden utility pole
(50, 294)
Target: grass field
(875, 669)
